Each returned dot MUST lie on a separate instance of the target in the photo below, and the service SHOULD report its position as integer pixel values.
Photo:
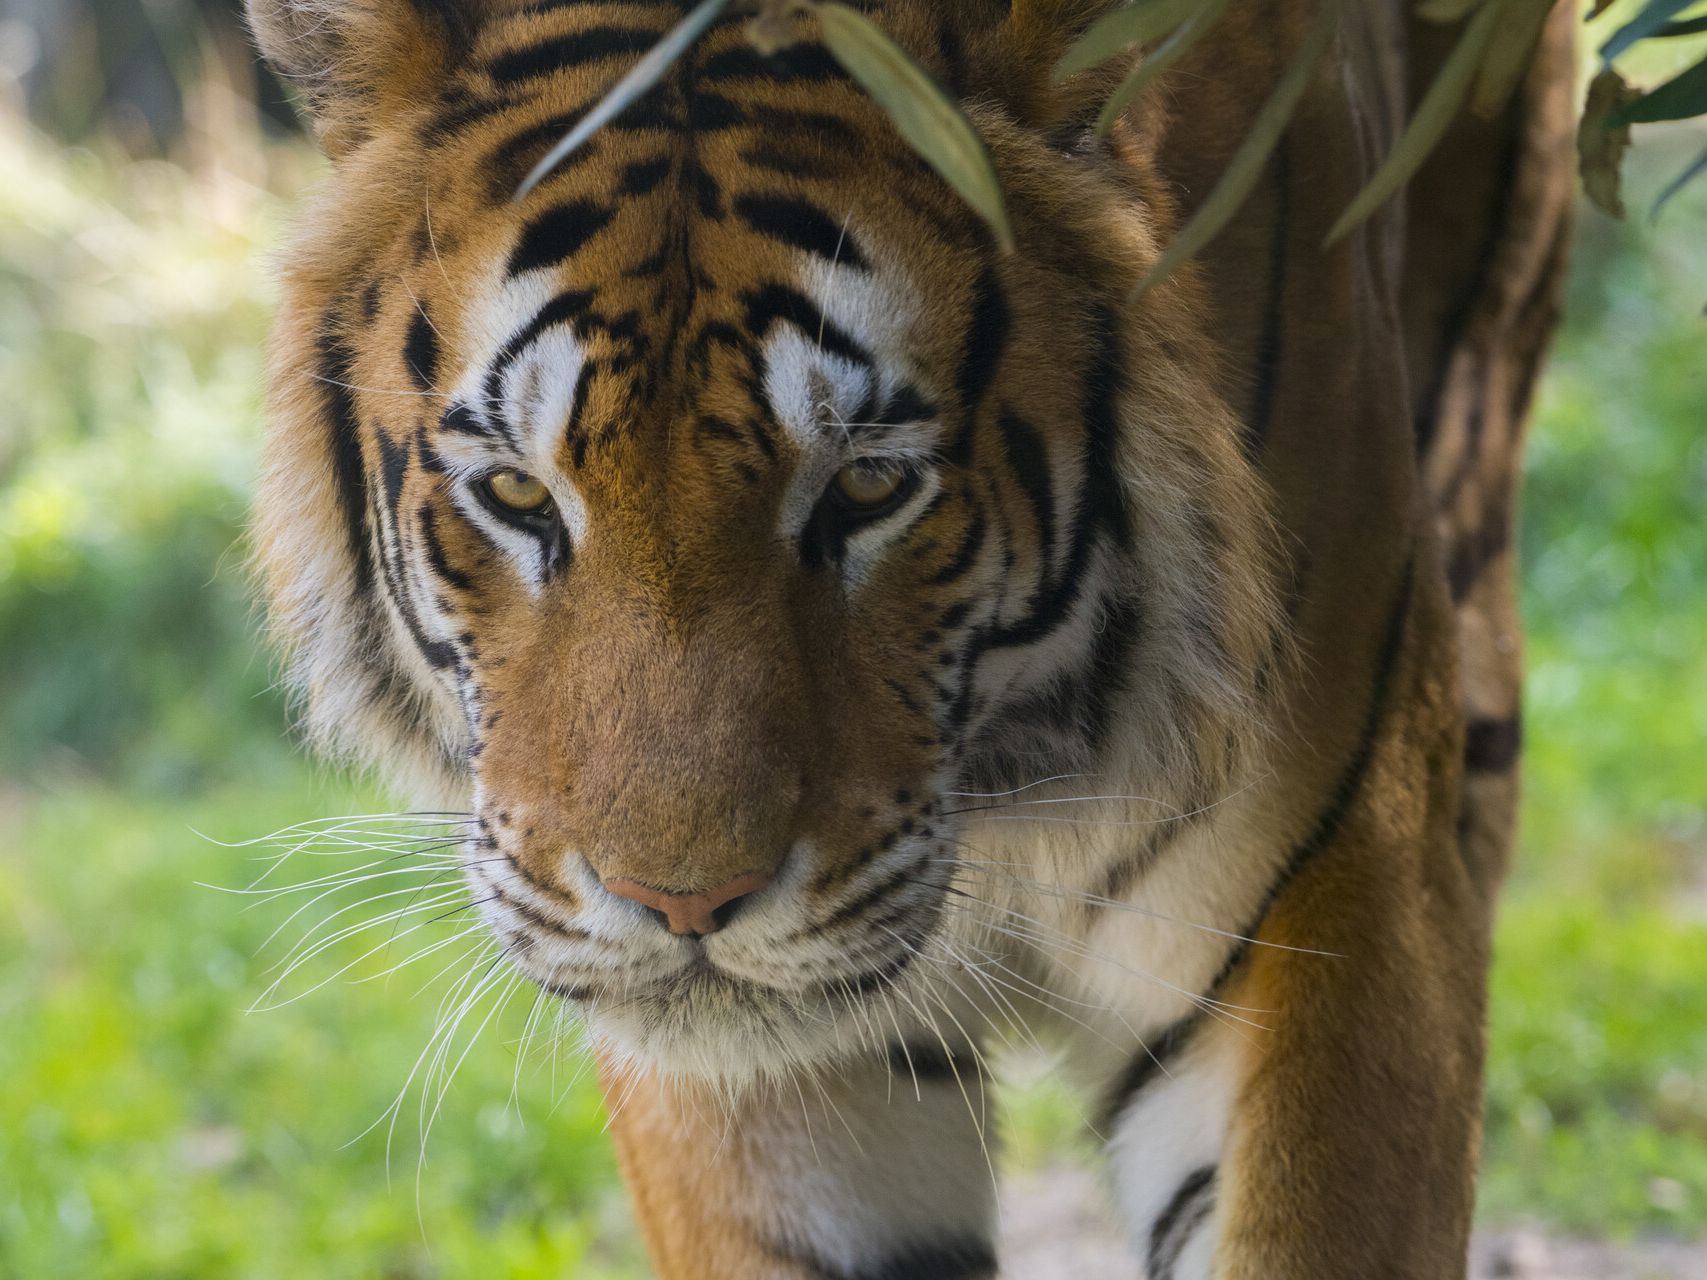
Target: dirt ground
(1057, 1227)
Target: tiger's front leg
(1316, 1116)
(876, 1171)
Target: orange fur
(1191, 523)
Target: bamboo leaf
(628, 90)
(1679, 98)
(1696, 168)
(1165, 55)
(1433, 116)
(1248, 162)
(1114, 33)
(931, 122)
(1509, 54)
(1653, 17)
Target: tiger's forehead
(615, 318)
(746, 268)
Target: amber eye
(517, 491)
(867, 485)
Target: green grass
(149, 1127)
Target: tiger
(852, 644)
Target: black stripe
(563, 309)
(394, 464)
(803, 61)
(558, 234)
(1464, 306)
(878, 979)
(460, 109)
(802, 224)
(1185, 1212)
(968, 1258)
(428, 520)
(577, 49)
(819, 130)
(1492, 746)
(986, 336)
(511, 160)
(463, 420)
(1102, 505)
(643, 176)
(954, 1258)
(1145, 1065)
(1350, 783)
(858, 905)
(421, 351)
(1148, 1063)
(574, 433)
(772, 302)
(1345, 793)
(1029, 462)
(1104, 502)
(343, 443)
(931, 1064)
(966, 555)
(452, 16)
(1111, 662)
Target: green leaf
(1509, 54)
(1677, 99)
(1114, 33)
(1653, 17)
(1433, 116)
(1696, 168)
(627, 91)
(1165, 55)
(1249, 160)
(924, 114)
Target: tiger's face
(724, 515)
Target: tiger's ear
(354, 61)
(1032, 39)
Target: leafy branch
(1484, 68)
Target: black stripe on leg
(1492, 745)
(953, 1258)
(1345, 793)
(1153, 1059)
(1186, 1210)
(964, 1259)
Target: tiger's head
(712, 522)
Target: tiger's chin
(726, 1031)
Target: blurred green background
(150, 1127)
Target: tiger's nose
(694, 914)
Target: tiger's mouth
(768, 989)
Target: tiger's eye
(869, 484)
(518, 491)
